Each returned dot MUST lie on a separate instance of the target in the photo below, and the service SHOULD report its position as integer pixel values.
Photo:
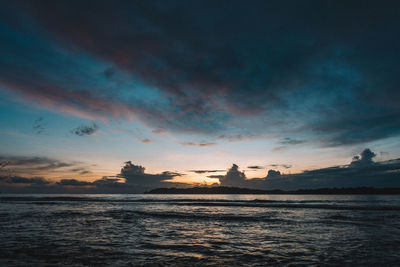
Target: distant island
(238, 190)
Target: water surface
(126, 230)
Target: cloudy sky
(288, 91)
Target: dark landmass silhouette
(239, 190)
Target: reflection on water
(199, 229)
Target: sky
(125, 96)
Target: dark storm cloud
(83, 130)
(328, 69)
(346, 131)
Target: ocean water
(191, 230)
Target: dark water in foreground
(187, 230)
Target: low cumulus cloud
(131, 179)
(135, 175)
(233, 177)
(378, 174)
(83, 130)
(362, 171)
(365, 158)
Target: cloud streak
(255, 167)
(205, 171)
(291, 141)
(198, 144)
(33, 163)
(39, 166)
(24, 180)
(286, 166)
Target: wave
(127, 215)
(163, 200)
(297, 206)
(257, 203)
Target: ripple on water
(81, 231)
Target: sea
(199, 230)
